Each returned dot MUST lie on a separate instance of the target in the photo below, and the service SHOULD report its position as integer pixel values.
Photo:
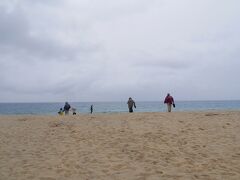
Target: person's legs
(169, 106)
(66, 112)
(130, 109)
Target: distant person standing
(169, 101)
(66, 108)
(91, 109)
(131, 104)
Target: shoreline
(126, 112)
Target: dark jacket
(67, 107)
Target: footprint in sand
(47, 178)
(211, 114)
(77, 166)
(55, 124)
(22, 119)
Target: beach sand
(138, 146)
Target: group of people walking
(169, 101)
(67, 108)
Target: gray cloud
(18, 36)
(86, 51)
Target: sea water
(114, 107)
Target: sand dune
(178, 145)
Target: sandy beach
(138, 146)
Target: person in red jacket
(169, 101)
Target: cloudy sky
(108, 50)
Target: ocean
(114, 107)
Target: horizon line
(115, 101)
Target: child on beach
(60, 112)
(74, 111)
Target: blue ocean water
(114, 107)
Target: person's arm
(165, 100)
(173, 102)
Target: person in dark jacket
(131, 104)
(169, 101)
(91, 109)
(66, 108)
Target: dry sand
(178, 145)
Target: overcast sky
(108, 50)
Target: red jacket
(169, 100)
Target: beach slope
(178, 145)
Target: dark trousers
(130, 109)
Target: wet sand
(138, 146)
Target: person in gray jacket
(131, 104)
